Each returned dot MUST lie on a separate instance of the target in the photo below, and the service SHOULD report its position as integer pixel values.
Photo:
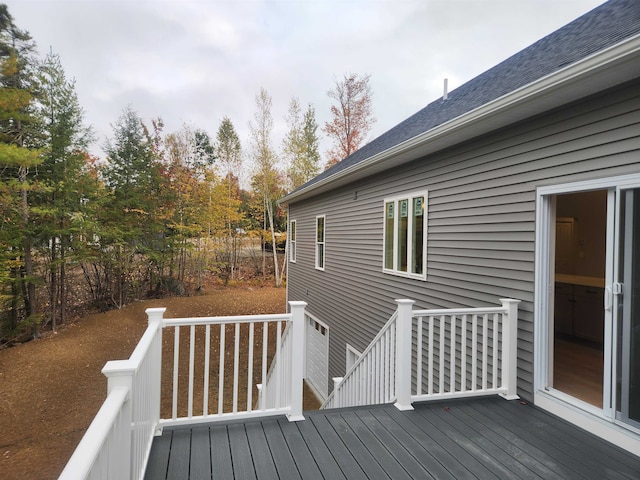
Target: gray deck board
(241, 459)
(358, 449)
(394, 447)
(459, 446)
(221, 465)
(180, 454)
(549, 436)
(158, 458)
(627, 466)
(320, 451)
(200, 461)
(260, 452)
(500, 462)
(506, 441)
(481, 438)
(374, 444)
(339, 451)
(282, 457)
(411, 441)
(449, 462)
(302, 457)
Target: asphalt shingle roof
(602, 27)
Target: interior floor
(578, 369)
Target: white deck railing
(418, 355)
(465, 352)
(274, 391)
(435, 354)
(116, 446)
(204, 396)
(117, 443)
(371, 379)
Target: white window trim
(396, 198)
(293, 239)
(323, 243)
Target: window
(320, 242)
(292, 241)
(405, 235)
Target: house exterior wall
(480, 222)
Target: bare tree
(352, 116)
(266, 176)
(230, 155)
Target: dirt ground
(51, 388)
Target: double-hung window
(292, 241)
(320, 222)
(405, 235)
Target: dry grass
(50, 389)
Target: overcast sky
(195, 62)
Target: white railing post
(298, 348)
(261, 399)
(403, 355)
(154, 316)
(120, 373)
(510, 348)
(336, 381)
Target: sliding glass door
(588, 297)
(627, 294)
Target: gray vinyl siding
(481, 222)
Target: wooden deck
(484, 438)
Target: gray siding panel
(481, 222)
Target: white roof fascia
(594, 73)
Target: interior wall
(589, 211)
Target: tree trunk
(30, 303)
(264, 253)
(278, 277)
(53, 287)
(63, 281)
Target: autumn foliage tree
(300, 145)
(351, 116)
(158, 214)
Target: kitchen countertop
(580, 280)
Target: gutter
(603, 69)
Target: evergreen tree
(133, 216)
(64, 176)
(19, 139)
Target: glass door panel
(579, 264)
(628, 312)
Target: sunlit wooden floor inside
(578, 369)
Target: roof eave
(606, 68)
